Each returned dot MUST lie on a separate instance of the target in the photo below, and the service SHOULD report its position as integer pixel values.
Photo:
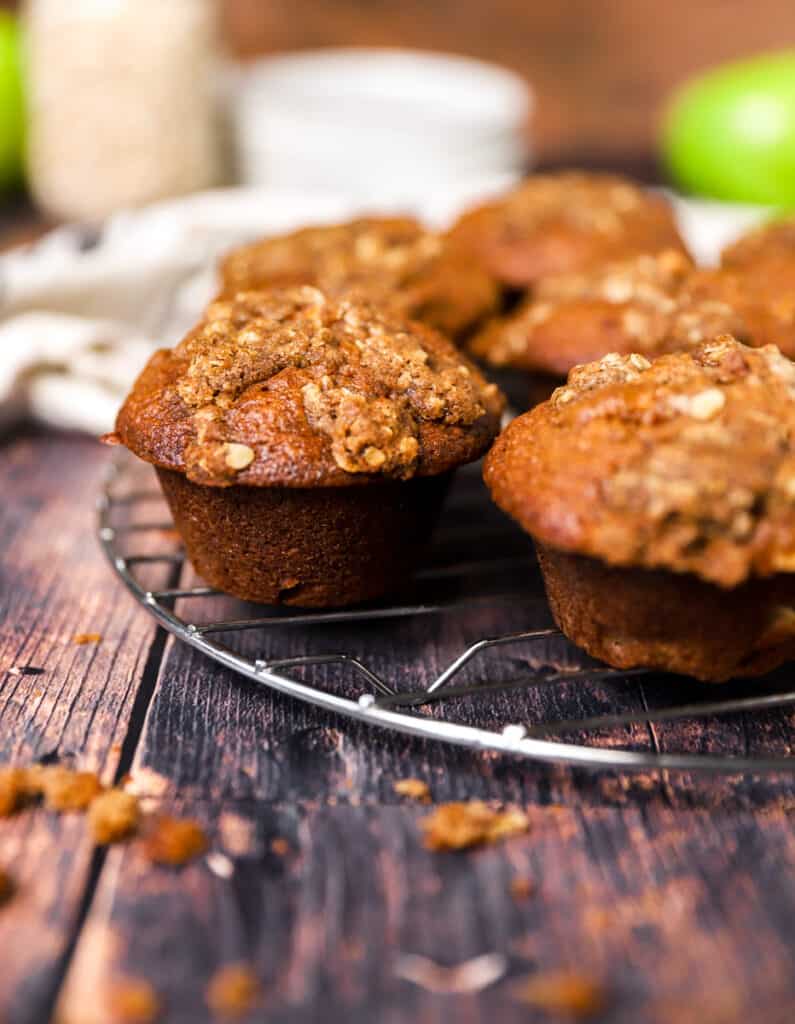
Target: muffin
(650, 304)
(393, 262)
(305, 442)
(645, 304)
(661, 497)
(559, 223)
(772, 240)
(762, 295)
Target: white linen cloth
(80, 312)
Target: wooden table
(676, 893)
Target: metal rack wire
(475, 544)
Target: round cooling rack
(469, 657)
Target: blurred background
(600, 68)
(323, 109)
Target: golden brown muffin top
(557, 223)
(772, 240)
(653, 304)
(685, 464)
(292, 387)
(762, 295)
(392, 261)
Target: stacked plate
(379, 123)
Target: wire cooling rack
(470, 656)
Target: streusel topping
(644, 304)
(775, 239)
(687, 463)
(588, 202)
(267, 370)
(394, 262)
(557, 223)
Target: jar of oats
(121, 102)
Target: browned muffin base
(312, 547)
(632, 618)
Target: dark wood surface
(674, 892)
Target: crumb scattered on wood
(562, 992)
(133, 1001)
(522, 888)
(35, 775)
(113, 816)
(62, 788)
(13, 790)
(6, 887)
(174, 841)
(233, 991)
(280, 846)
(87, 638)
(471, 976)
(455, 826)
(66, 790)
(414, 789)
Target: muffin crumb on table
(13, 790)
(233, 991)
(414, 789)
(280, 846)
(458, 825)
(562, 992)
(174, 841)
(66, 790)
(132, 1000)
(113, 817)
(522, 888)
(81, 639)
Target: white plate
(370, 118)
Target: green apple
(12, 105)
(730, 133)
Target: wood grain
(675, 892)
(683, 917)
(59, 701)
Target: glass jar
(121, 98)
